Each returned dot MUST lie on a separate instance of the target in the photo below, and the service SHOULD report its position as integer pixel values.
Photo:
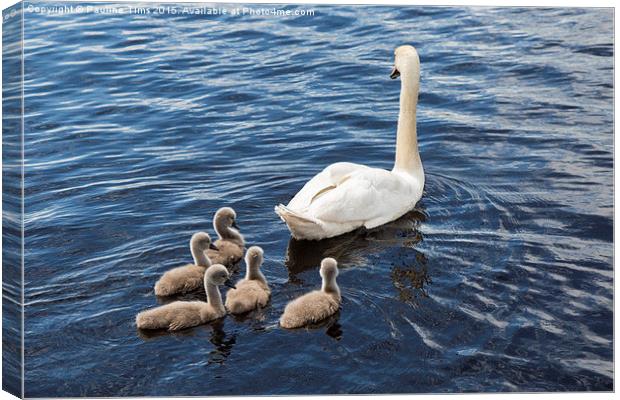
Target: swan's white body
(346, 196)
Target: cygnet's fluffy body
(253, 291)
(230, 243)
(185, 314)
(317, 305)
(188, 277)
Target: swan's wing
(185, 314)
(180, 280)
(228, 253)
(322, 182)
(365, 195)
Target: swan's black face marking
(212, 246)
(229, 283)
(234, 224)
(395, 73)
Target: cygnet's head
(254, 257)
(202, 241)
(329, 269)
(217, 274)
(227, 216)
(406, 62)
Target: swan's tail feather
(284, 212)
(301, 227)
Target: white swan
(346, 196)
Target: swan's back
(180, 280)
(248, 295)
(228, 254)
(175, 316)
(310, 308)
(366, 197)
(332, 175)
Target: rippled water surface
(138, 127)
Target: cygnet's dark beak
(230, 284)
(395, 73)
(213, 246)
(234, 225)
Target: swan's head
(406, 62)
(329, 269)
(217, 274)
(202, 241)
(226, 216)
(254, 257)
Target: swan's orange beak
(395, 73)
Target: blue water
(138, 127)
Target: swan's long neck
(214, 298)
(225, 232)
(330, 286)
(254, 274)
(200, 256)
(407, 155)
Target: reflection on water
(223, 343)
(149, 334)
(354, 247)
(411, 279)
(334, 330)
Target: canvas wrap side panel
(12, 210)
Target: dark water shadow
(354, 247)
(257, 315)
(222, 342)
(334, 330)
(330, 324)
(411, 279)
(194, 295)
(150, 334)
